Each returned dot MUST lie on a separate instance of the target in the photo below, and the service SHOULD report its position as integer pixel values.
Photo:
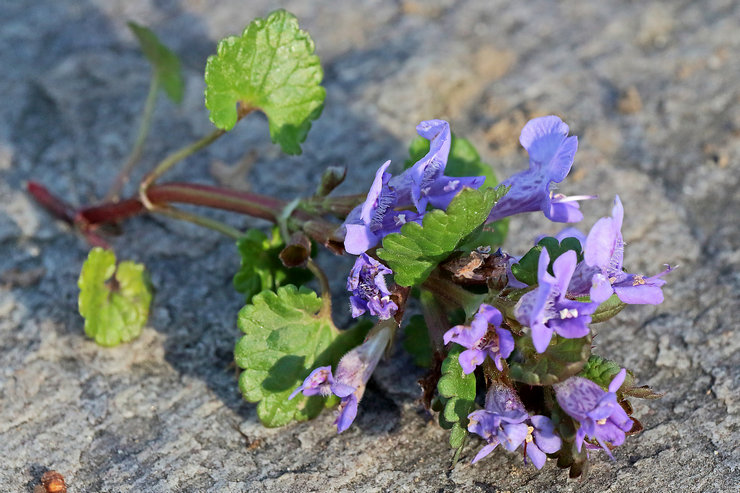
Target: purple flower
(390, 199)
(551, 154)
(546, 309)
(600, 416)
(369, 291)
(541, 439)
(368, 223)
(353, 372)
(424, 183)
(603, 253)
(480, 340)
(502, 421)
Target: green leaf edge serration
(290, 105)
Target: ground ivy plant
(507, 337)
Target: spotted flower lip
(368, 223)
(480, 340)
(600, 416)
(541, 440)
(546, 310)
(500, 422)
(604, 253)
(551, 155)
(349, 381)
(370, 293)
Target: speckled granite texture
(652, 89)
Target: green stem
(199, 220)
(133, 159)
(453, 295)
(175, 158)
(325, 290)
(436, 320)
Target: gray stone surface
(650, 88)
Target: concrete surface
(650, 88)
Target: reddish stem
(87, 219)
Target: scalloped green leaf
(457, 392)
(114, 300)
(602, 371)
(271, 67)
(286, 336)
(526, 269)
(562, 359)
(464, 160)
(417, 249)
(261, 267)
(165, 62)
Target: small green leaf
(602, 371)
(464, 160)
(416, 341)
(416, 250)
(113, 300)
(285, 338)
(165, 62)
(458, 392)
(261, 267)
(562, 359)
(526, 269)
(607, 309)
(271, 67)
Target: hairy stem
(175, 158)
(435, 317)
(133, 159)
(206, 222)
(317, 271)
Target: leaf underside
(165, 62)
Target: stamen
(601, 421)
(400, 219)
(451, 186)
(529, 438)
(568, 313)
(638, 280)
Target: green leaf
(457, 391)
(526, 269)
(113, 300)
(602, 371)
(607, 309)
(286, 336)
(416, 341)
(271, 67)
(166, 64)
(464, 160)
(563, 358)
(261, 267)
(416, 250)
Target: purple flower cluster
(483, 337)
(366, 282)
(546, 309)
(505, 421)
(600, 416)
(394, 201)
(353, 372)
(551, 154)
